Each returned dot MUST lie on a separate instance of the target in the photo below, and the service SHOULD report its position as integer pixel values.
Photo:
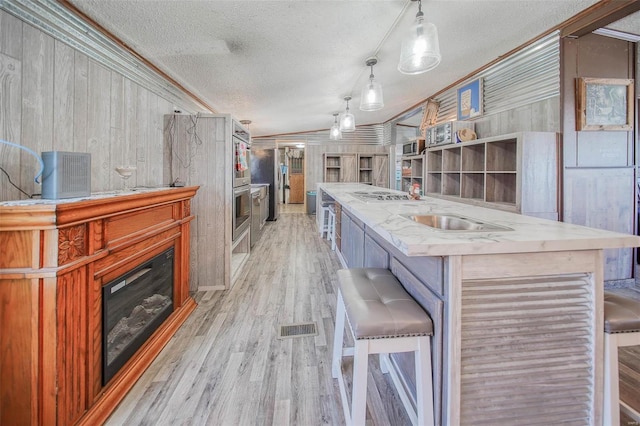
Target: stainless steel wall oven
(241, 210)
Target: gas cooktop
(380, 196)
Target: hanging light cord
(384, 39)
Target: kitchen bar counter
(528, 234)
(518, 314)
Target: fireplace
(134, 305)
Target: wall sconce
(335, 134)
(371, 98)
(421, 49)
(347, 121)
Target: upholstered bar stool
(621, 328)
(383, 318)
(331, 233)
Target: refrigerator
(265, 168)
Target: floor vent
(302, 329)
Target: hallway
(226, 365)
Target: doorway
(293, 161)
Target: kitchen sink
(452, 222)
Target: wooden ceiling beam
(601, 15)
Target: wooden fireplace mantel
(55, 256)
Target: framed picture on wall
(604, 104)
(470, 100)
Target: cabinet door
(381, 171)
(346, 242)
(357, 237)
(264, 209)
(352, 235)
(349, 168)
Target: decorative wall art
(470, 100)
(604, 104)
(429, 115)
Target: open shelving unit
(412, 172)
(370, 169)
(501, 172)
(332, 168)
(365, 169)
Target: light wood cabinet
(516, 172)
(340, 168)
(370, 169)
(412, 172)
(202, 153)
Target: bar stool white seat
(383, 318)
(621, 328)
(331, 233)
(323, 219)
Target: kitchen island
(517, 309)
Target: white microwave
(414, 147)
(445, 133)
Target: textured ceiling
(287, 64)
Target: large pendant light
(371, 97)
(420, 49)
(347, 121)
(335, 134)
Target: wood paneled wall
(599, 172)
(541, 116)
(53, 97)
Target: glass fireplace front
(133, 307)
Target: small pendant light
(347, 121)
(371, 97)
(420, 50)
(335, 134)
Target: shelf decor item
(470, 100)
(429, 115)
(604, 104)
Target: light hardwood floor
(226, 366)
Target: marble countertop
(527, 234)
(93, 196)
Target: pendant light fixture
(420, 50)
(347, 121)
(371, 97)
(335, 134)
